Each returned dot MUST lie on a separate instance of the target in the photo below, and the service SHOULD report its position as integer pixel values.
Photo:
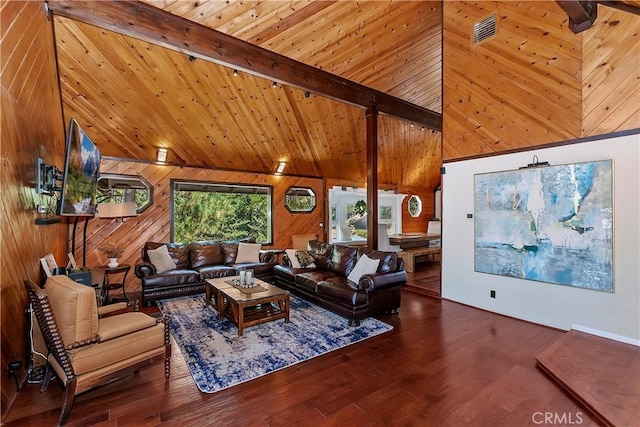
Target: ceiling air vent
(484, 29)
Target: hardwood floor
(443, 364)
(603, 374)
(425, 279)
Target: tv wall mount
(47, 177)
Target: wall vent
(484, 29)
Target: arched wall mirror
(415, 206)
(126, 188)
(300, 200)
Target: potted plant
(360, 208)
(113, 251)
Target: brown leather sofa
(327, 284)
(195, 263)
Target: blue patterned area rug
(218, 358)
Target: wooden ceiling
(133, 97)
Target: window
(220, 211)
(349, 213)
(415, 206)
(300, 199)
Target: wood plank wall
(535, 82)
(520, 88)
(154, 224)
(611, 73)
(31, 127)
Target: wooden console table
(412, 240)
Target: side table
(108, 284)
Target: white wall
(616, 314)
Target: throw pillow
(305, 259)
(248, 252)
(365, 265)
(291, 254)
(161, 259)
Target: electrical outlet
(41, 209)
(493, 294)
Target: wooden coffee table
(247, 309)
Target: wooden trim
(153, 25)
(549, 145)
(621, 6)
(180, 165)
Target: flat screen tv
(80, 174)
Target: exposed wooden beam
(372, 177)
(621, 6)
(582, 14)
(153, 25)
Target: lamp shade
(116, 210)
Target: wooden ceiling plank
(297, 17)
(156, 26)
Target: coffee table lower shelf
(245, 310)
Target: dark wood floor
(601, 373)
(426, 277)
(443, 364)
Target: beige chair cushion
(104, 354)
(434, 227)
(75, 308)
(299, 241)
(122, 324)
(345, 233)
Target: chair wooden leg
(167, 361)
(48, 374)
(167, 347)
(69, 397)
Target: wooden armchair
(86, 350)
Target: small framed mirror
(126, 188)
(415, 206)
(300, 200)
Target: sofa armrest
(376, 282)
(286, 261)
(266, 257)
(144, 269)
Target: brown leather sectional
(327, 284)
(195, 263)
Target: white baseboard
(608, 335)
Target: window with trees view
(300, 199)
(219, 211)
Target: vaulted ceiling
(133, 97)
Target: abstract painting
(551, 224)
